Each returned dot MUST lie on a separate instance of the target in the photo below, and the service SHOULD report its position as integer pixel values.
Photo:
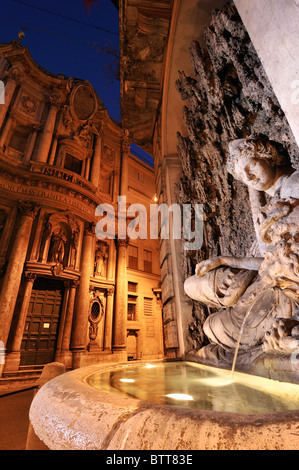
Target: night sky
(66, 36)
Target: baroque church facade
(66, 295)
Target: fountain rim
(59, 401)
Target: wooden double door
(42, 322)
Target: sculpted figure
(100, 261)
(58, 242)
(266, 287)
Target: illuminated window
(132, 311)
(133, 256)
(132, 286)
(132, 301)
(147, 261)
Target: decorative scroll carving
(29, 104)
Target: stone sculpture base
(276, 366)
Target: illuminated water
(196, 386)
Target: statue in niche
(101, 257)
(58, 243)
(268, 287)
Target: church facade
(66, 295)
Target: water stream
(241, 334)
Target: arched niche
(60, 239)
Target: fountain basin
(114, 407)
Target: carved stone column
(69, 315)
(46, 137)
(13, 274)
(81, 311)
(96, 162)
(30, 148)
(52, 155)
(6, 128)
(120, 304)
(14, 76)
(13, 359)
(108, 319)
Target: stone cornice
(21, 55)
(46, 187)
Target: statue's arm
(251, 264)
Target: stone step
(18, 380)
(22, 374)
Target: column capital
(122, 242)
(89, 229)
(73, 283)
(36, 127)
(28, 208)
(30, 277)
(14, 74)
(55, 101)
(109, 291)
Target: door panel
(40, 334)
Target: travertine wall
(228, 97)
(273, 27)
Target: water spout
(241, 334)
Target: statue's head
(254, 161)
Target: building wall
(269, 24)
(144, 273)
(60, 157)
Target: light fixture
(129, 381)
(157, 291)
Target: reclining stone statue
(266, 288)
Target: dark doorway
(40, 333)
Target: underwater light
(180, 396)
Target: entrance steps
(25, 377)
